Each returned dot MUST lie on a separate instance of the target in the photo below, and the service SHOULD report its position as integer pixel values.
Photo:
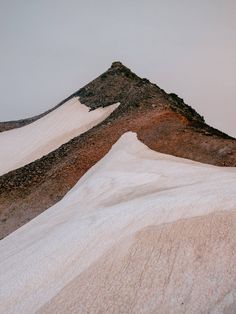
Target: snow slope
(141, 232)
(24, 145)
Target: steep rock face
(162, 121)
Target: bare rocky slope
(162, 121)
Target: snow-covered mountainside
(162, 121)
(26, 144)
(141, 232)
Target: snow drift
(141, 232)
(21, 146)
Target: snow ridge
(140, 232)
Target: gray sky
(51, 48)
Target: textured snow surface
(141, 232)
(21, 146)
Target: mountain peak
(117, 64)
(117, 68)
(120, 84)
(162, 121)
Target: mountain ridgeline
(120, 84)
(162, 121)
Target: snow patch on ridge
(24, 145)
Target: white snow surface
(24, 145)
(141, 232)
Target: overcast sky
(51, 48)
